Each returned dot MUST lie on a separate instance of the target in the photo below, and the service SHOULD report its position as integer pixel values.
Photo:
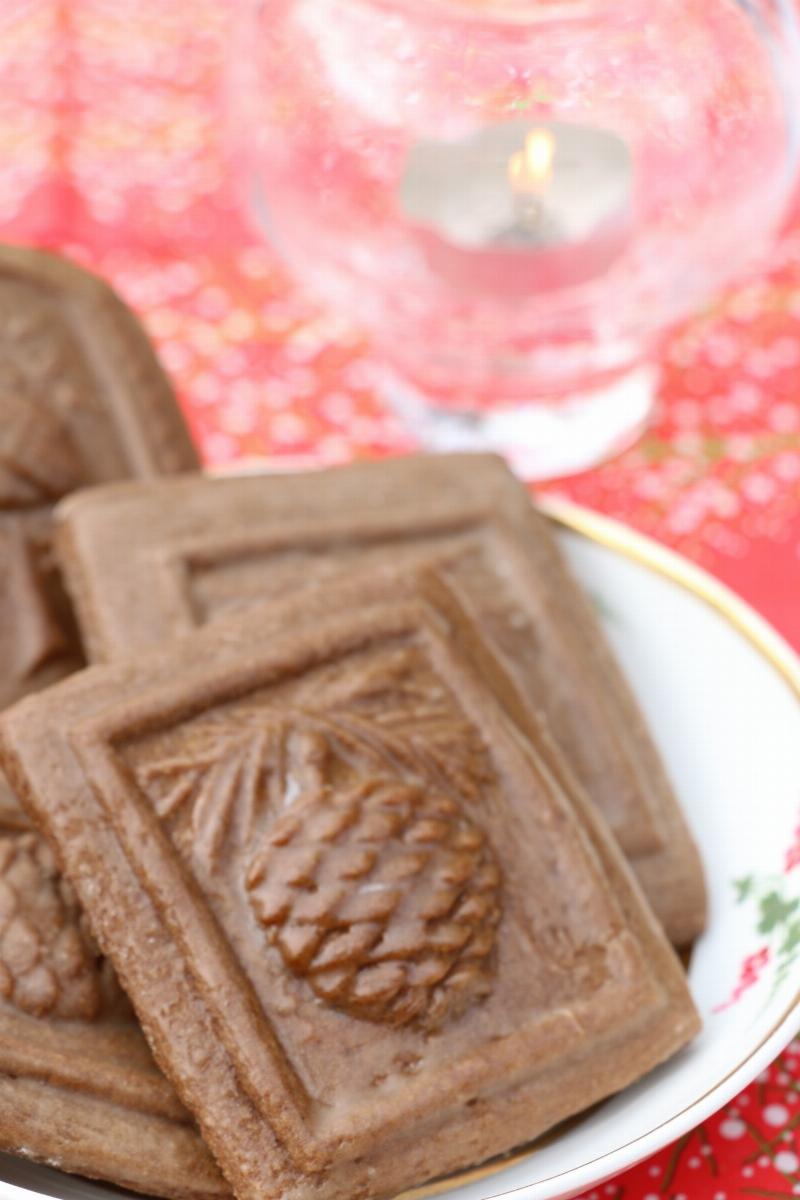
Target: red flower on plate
(793, 853)
(749, 973)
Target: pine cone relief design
(384, 898)
(48, 964)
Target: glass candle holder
(516, 198)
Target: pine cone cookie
(385, 899)
(48, 963)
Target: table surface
(113, 152)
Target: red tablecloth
(112, 149)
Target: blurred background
(115, 144)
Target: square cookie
(83, 400)
(146, 562)
(368, 933)
(78, 1087)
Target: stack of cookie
(358, 819)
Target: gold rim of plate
(771, 646)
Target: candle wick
(532, 225)
(528, 211)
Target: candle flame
(531, 169)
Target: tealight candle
(516, 208)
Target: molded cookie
(82, 400)
(146, 562)
(370, 929)
(78, 1086)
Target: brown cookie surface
(144, 562)
(78, 1086)
(82, 401)
(372, 932)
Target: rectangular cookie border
(159, 592)
(153, 589)
(287, 1105)
(89, 738)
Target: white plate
(722, 693)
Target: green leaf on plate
(774, 911)
(743, 887)
(792, 939)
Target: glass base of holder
(541, 441)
